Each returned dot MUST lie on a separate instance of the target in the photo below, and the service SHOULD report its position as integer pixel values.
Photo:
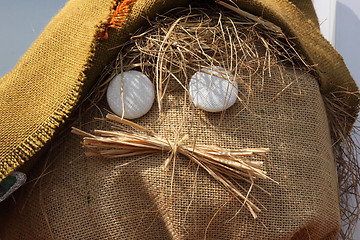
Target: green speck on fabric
(6, 184)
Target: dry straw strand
(220, 163)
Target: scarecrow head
(217, 127)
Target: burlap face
(44, 89)
(133, 198)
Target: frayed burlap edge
(43, 134)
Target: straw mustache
(217, 161)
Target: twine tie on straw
(222, 164)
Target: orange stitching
(119, 17)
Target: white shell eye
(138, 94)
(213, 90)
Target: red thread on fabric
(119, 17)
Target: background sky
(21, 21)
(348, 35)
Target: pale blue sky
(21, 22)
(348, 35)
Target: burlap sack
(96, 198)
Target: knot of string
(175, 147)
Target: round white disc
(213, 90)
(138, 94)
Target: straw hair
(169, 52)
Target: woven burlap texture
(103, 199)
(38, 95)
(97, 198)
